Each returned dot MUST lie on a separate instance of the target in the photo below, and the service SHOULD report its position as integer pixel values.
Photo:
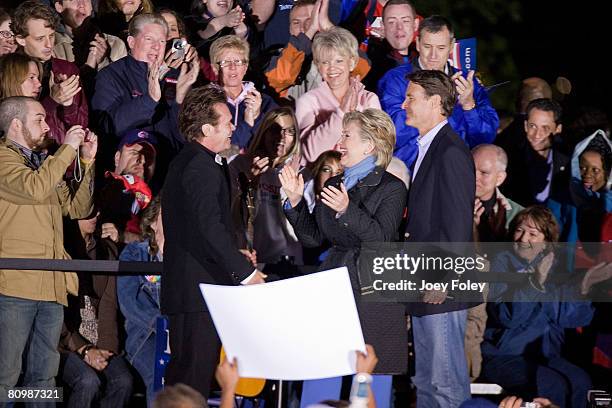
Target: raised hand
(188, 76)
(253, 106)
(478, 210)
(89, 146)
(324, 21)
(314, 21)
(260, 165)
(233, 18)
(227, 375)
(292, 184)
(154, 87)
(465, 89)
(598, 273)
(75, 136)
(350, 100)
(98, 49)
(543, 268)
(337, 200)
(64, 89)
(366, 362)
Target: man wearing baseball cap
(136, 154)
(126, 190)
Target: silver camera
(178, 48)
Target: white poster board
(295, 329)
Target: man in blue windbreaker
(474, 119)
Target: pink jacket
(320, 119)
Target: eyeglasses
(236, 63)
(288, 132)
(6, 35)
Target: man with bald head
(492, 211)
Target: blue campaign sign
(463, 54)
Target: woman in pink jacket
(319, 112)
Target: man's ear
(131, 40)
(20, 40)
(117, 156)
(416, 26)
(59, 7)
(16, 125)
(436, 103)
(558, 129)
(501, 177)
(525, 125)
(207, 129)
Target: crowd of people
(240, 142)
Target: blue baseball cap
(137, 136)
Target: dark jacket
(374, 214)
(121, 102)
(199, 236)
(386, 58)
(528, 172)
(441, 202)
(102, 291)
(61, 118)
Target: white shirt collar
(427, 138)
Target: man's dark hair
(198, 109)
(13, 107)
(435, 24)
(436, 82)
(32, 10)
(546, 105)
(399, 3)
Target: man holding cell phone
(141, 92)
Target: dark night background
(518, 39)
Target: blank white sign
(295, 329)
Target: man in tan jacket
(33, 199)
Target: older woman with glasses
(364, 205)
(229, 56)
(7, 38)
(320, 111)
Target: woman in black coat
(364, 204)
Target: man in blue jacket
(133, 92)
(474, 119)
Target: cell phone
(178, 48)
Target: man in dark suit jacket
(440, 209)
(199, 242)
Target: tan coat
(63, 49)
(32, 203)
